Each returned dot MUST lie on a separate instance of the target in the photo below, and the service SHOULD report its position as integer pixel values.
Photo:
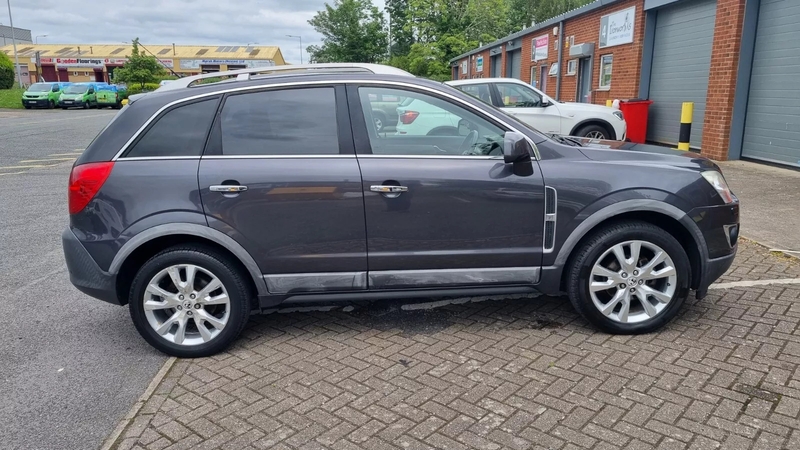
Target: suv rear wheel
(629, 278)
(189, 302)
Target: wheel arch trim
(626, 206)
(595, 121)
(194, 230)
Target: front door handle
(227, 188)
(388, 189)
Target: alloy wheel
(186, 304)
(595, 135)
(633, 281)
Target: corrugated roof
(163, 51)
(540, 26)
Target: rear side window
(180, 131)
(281, 122)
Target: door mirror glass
(516, 148)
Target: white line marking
(26, 167)
(63, 119)
(11, 173)
(735, 284)
(112, 439)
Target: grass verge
(11, 98)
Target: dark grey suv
(201, 203)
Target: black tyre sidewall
(588, 128)
(216, 264)
(578, 284)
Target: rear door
(526, 104)
(444, 211)
(280, 177)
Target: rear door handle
(388, 189)
(227, 188)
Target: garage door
(514, 64)
(496, 66)
(681, 62)
(772, 124)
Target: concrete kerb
(112, 439)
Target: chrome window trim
(283, 156)
(462, 102)
(472, 157)
(149, 158)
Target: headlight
(717, 181)
(618, 115)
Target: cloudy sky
(200, 22)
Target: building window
(75, 74)
(572, 67)
(605, 71)
(553, 70)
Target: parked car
(44, 95)
(538, 110)
(424, 118)
(384, 110)
(198, 205)
(111, 95)
(82, 95)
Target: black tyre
(64, 108)
(629, 278)
(593, 132)
(189, 301)
(86, 105)
(379, 119)
(51, 104)
(27, 106)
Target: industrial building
(97, 62)
(736, 60)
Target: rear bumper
(85, 274)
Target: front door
(526, 104)
(280, 177)
(444, 210)
(543, 77)
(585, 80)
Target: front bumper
(36, 102)
(719, 227)
(71, 103)
(85, 274)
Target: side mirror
(91, 91)
(516, 148)
(55, 88)
(545, 103)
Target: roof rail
(245, 74)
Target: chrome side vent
(550, 208)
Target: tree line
(422, 36)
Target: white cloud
(201, 22)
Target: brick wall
(722, 78)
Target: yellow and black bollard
(686, 125)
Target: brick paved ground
(510, 373)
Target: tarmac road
(70, 366)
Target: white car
(541, 112)
(417, 117)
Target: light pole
(14, 41)
(301, 45)
(251, 43)
(36, 39)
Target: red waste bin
(635, 113)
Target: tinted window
(518, 96)
(429, 125)
(179, 132)
(480, 91)
(285, 122)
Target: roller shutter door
(772, 124)
(681, 63)
(496, 67)
(514, 64)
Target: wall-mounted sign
(79, 62)
(539, 47)
(192, 64)
(617, 28)
(479, 64)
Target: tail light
(84, 183)
(408, 117)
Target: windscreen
(76, 89)
(39, 87)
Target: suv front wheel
(629, 278)
(189, 302)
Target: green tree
(352, 30)
(6, 72)
(400, 34)
(139, 68)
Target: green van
(80, 95)
(44, 95)
(111, 95)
